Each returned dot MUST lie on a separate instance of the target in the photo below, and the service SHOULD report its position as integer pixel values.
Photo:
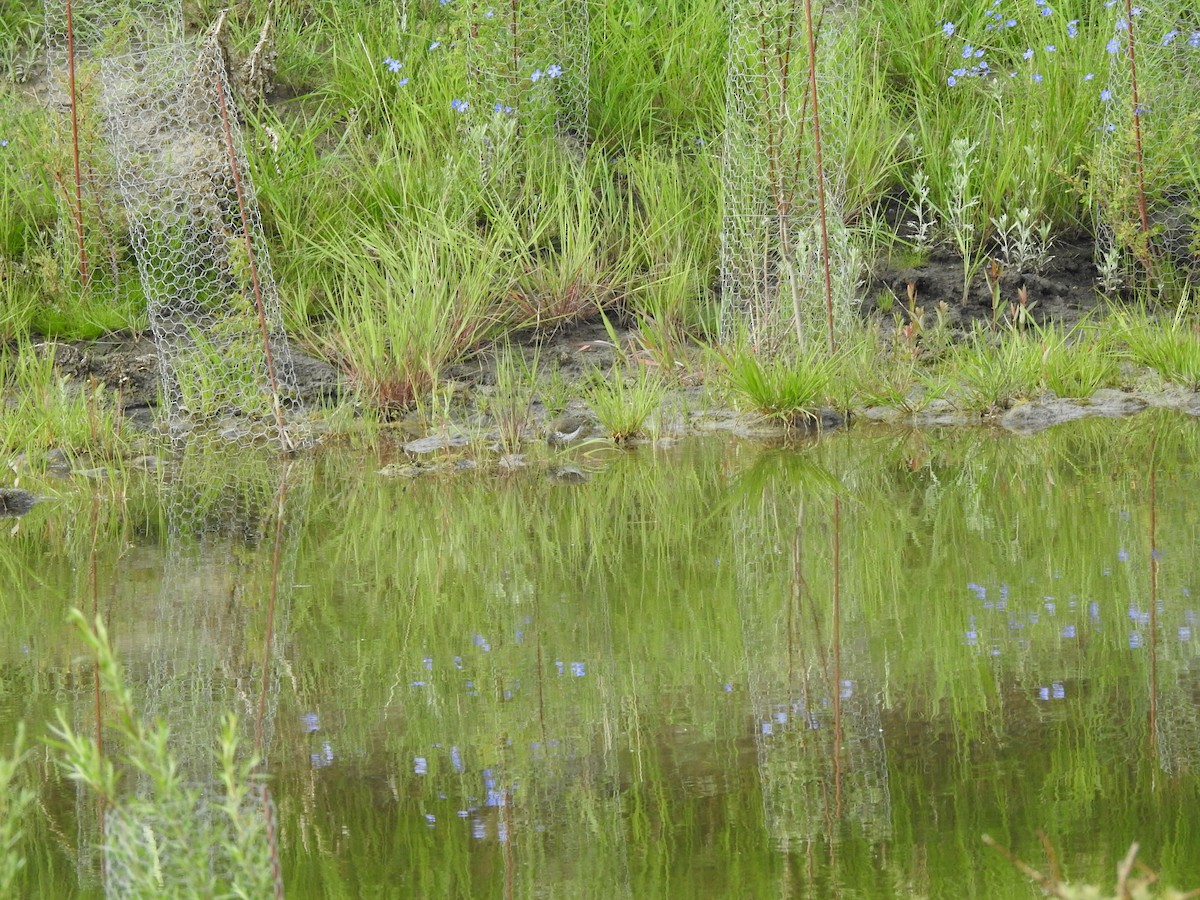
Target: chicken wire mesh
(527, 74)
(89, 243)
(818, 714)
(772, 278)
(224, 361)
(216, 640)
(1158, 247)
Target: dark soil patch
(1064, 292)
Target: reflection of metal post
(820, 749)
(1153, 717)
(201, 664)
(837, 656)
(97, 707)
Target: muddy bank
(557, 415)
(1064, 292)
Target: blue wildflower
(435, 45)
(537, 75)
(393, 65)
(1194, 40)
(1106, 95)
(952, 81)
(1028, 54)
(1169, 37)
(948, 29)
(1112, 46)
(554, 71)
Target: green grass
(786, 390)
(623, 402)
(404, 235)
(43, 412)
(1171, 347)
(167, 837)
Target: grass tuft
(788, 390)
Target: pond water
(716, 670)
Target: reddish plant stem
(235, 169)
(83, 263)
(1137, 127)
(816, 122)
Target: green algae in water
(487, 685)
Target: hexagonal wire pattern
(225, 365)
(1167, 54)
(90, 245)
(527, 72)
(771, 269)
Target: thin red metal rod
(250, 258)
(816, 121)
(83, 263)
(1137, 125)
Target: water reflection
(819, 670)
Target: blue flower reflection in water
(310, 722)
(577, 669)
(1135, 640)
(456, 759)
(420, 765)
(324, 758)
(1068, 631)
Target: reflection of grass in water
(170, 837)
(15, 801)
(664, 575)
